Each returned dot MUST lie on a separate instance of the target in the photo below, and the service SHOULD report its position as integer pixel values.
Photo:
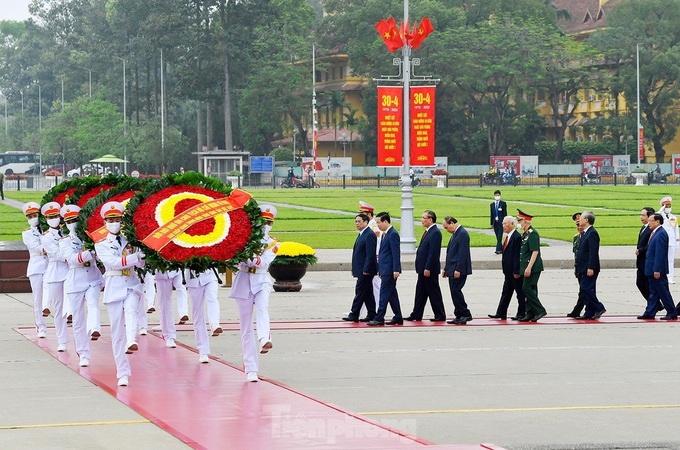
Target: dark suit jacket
(588, 254)
(427, 255)
(510, 259)
(389, 255)
(643, 240)
(502, 211)
(458, 253)
(363, 255)
(657, 253)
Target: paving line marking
(488, 410)
(73, 424)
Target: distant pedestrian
(498, 211)
(530, 266)
(2, 183)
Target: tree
(335, 102)
(653, 24)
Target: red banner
(390, 131)
(641, 144)
(422, 126)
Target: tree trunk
(209, 138)
(148, 92)
(228, 138)
(199, 126)
(137, 106)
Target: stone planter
(287, 276)
(639, 178)
(440, 180)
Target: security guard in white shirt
(83, 284)
(252, 286)
(37, 264)
(123, 288)
(57, 268)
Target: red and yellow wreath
(193, 221)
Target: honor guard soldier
(37, 264)
(123, 289)
(82, 285)
(164, 283)
(57, 268)
(202, 288)
(252, 286)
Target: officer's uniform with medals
(531, 242)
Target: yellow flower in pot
(290, 265)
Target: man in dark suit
(497, 212)
(578, 307)
(588, 266)
(457, 267)
(510, 266)
(389, 269)
(656, 269)
(641, 280)
(427, 268)
(363, 269)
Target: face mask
(267, 228)
(54, 223)
(72, 228)
(667, 210)
(497, 197)
(113, 228)
(33, 222)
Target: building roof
(586, 15)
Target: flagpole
(314, 122)
(407, 234)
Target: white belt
(252, 270)
(37, 254)
(79, 266)
(118, 273)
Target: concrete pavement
(544, 385)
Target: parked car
(85, 170)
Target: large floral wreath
(94, 229)
(201, 222)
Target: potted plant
(440, 175)
(290, 265)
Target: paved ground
(517, 386)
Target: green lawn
(616, 209)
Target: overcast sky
(14, 9)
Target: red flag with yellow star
(421, 32)
(390, 34)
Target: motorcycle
(657, 177)
(509, 179)
(295, 182)
(589, 178)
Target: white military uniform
(121, 295)
(82, 286)
(252, 286)
(201, 286)
(164, 284)
(55, 274)
(37, 264)
(149, 289)
(670, 224)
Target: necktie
(119, 241)
(423, 236)
(505, 244)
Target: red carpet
(212, 406)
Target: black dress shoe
(438, 319)
(412, 319)
(573, 315)
(598, 314)
(375, 323)
(525, 319)
(517, 317)
(643, 317)
(497, 316)
(366, 319)
(395, 322)
(351, 319)
(539, 316)
(669, 318)
(453, 321)
(584, 317)
(463, 320)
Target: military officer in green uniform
(530, 266)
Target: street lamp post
(125, 168)
(639, 127)
(294, 141)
